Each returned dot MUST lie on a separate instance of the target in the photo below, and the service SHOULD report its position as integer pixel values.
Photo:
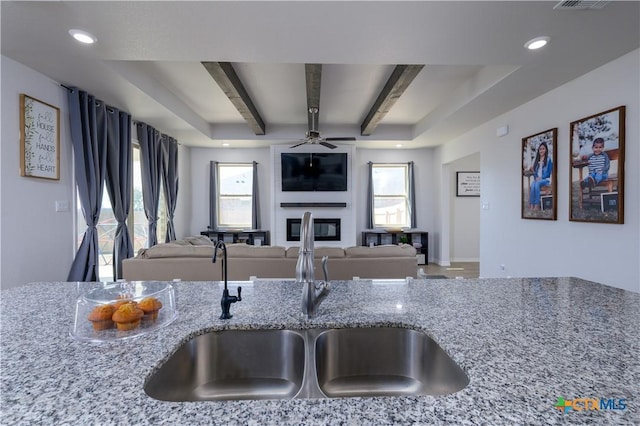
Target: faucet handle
(239, 298)
(325, 270)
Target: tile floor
(457, 269)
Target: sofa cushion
(319, 252)
(198, 240)
(245, 250)
(387, 250)
(175, 250)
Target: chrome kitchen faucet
(312, 293)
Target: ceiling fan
(312, 136)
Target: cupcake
(127, 317)
(150, 306)
(119, 303)
(100, 317)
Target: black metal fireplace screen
(323, 229)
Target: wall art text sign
(39, 139)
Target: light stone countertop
(522, 342)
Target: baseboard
(441, 262)
(466, 259)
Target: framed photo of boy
(597, 167)
(539, 182)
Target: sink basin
(384, 362)
(232, 364)
(317, 363)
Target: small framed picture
(539, 183)
(597, 167)
(467, 184)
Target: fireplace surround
(323, 229)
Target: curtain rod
(111, 109)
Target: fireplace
(323, 229)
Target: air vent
(581, 4)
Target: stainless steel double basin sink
(316, 363)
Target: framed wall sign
(467, 184)
(39, 139)
(597, 167)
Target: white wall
(605, 253)
(37, 242)
(426, 185)
(200, 159)
(424, 175)
(464, 215)
(346, 215)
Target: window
(390, 195)
(235, 193)
(106, 228)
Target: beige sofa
(190, 260)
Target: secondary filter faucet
(227, 300)
(312, 293)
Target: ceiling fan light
(83, 36)
(536, 43)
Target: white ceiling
(148, 54)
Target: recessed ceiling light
(83, 36)
(536, 43)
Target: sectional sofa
(190, 260)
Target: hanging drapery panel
(255, 199)
(370, 207)
(119, 183)
(170, 181)
(88, 125)
(412, 196)
(151, 165)
(213, 195)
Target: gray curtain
(151, 165)
(370, 197)
(255, 200)
(170, 181)
(88, 124)
(213, 195)
(412, 196)
(119, 182)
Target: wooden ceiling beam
(226, 77)
(313, 74)
(400, 79)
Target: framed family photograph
(597, 167)
(539, 183)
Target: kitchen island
(523, 343)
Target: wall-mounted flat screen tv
(314, 171)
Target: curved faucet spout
(312, 293)
(227, 299)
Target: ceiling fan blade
(298, 144)
(327, 144)
(346, 138)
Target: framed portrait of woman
(539, 183)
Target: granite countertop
(523, 343)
